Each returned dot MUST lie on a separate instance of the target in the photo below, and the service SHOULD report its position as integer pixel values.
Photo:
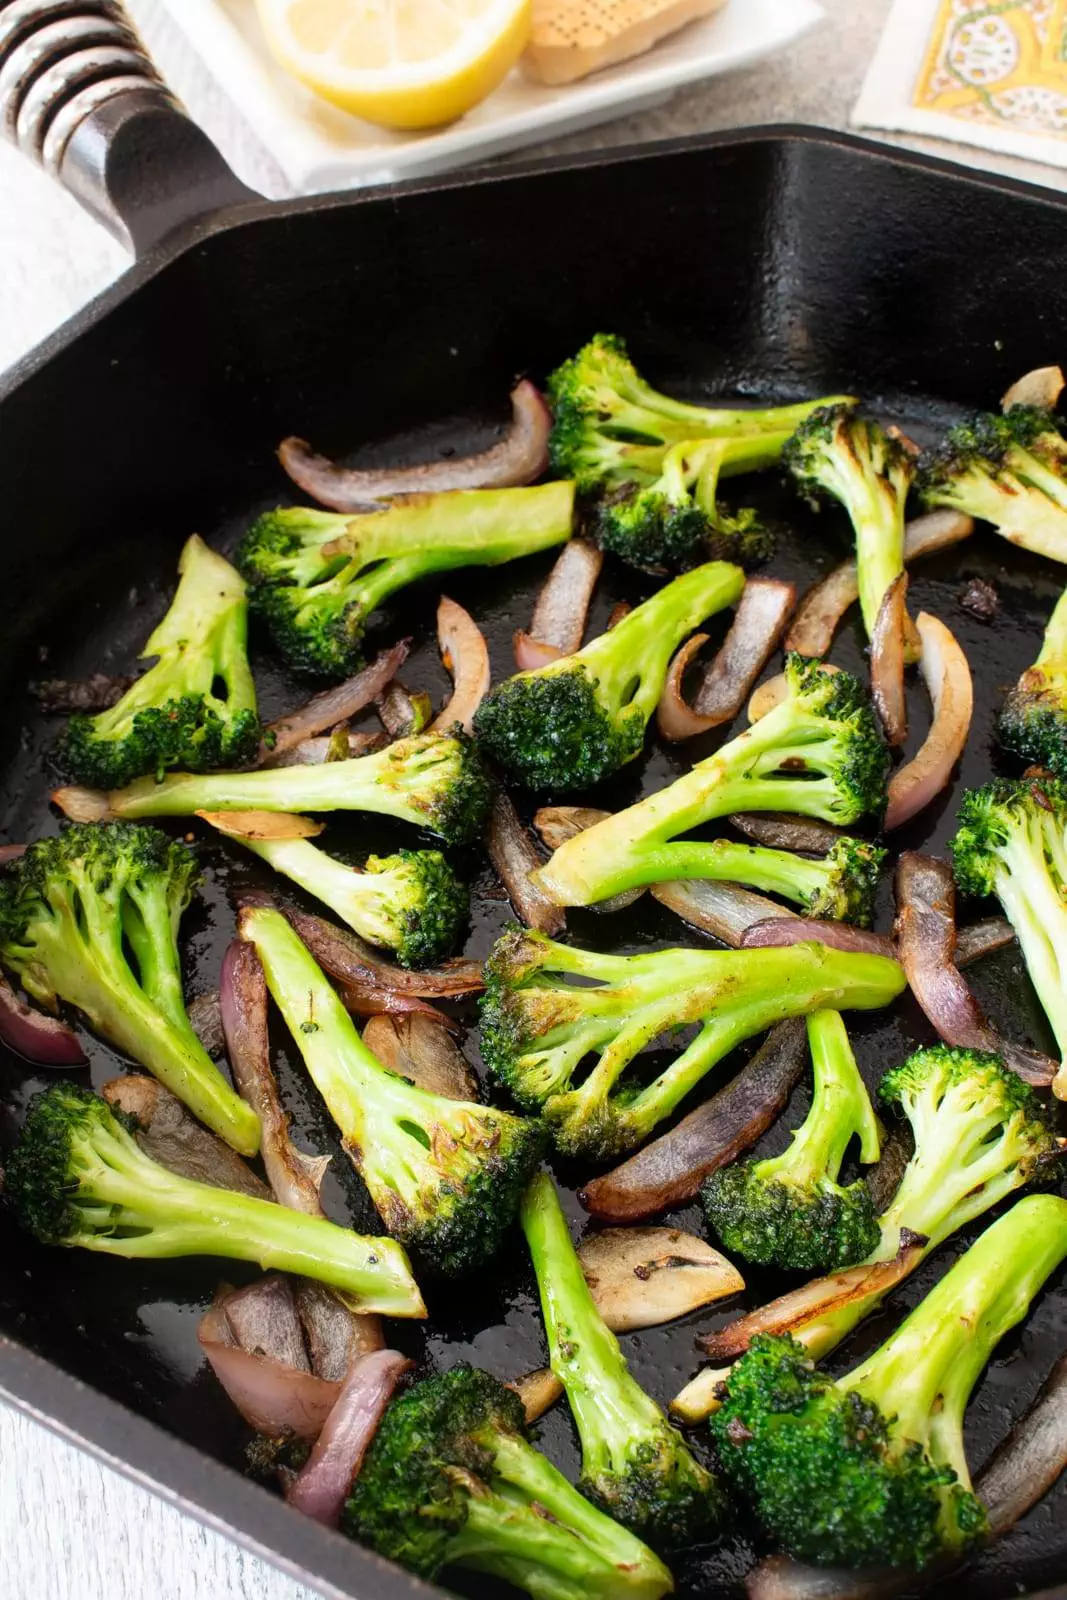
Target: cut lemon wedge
(401, 63)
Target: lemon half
(401, 63)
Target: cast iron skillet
(774, 262)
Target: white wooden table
(69, 1528)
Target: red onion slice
(466, 656)
(557, 824)
(261, 824)
(334, 1335)
(332, 706)
(313, 752)
(264, 1320)
(675, 718)
(722, 909)
(79, 804)
(758, 624)
(514, 856)
(40, 1039)
(558, 624)
(418, 1048)
(531, 653)
(780, 831)
(403, 714)
(276, 1400)
(948, 679)
(520, 457)
(205, 1017)
(1042, 387)
(172, 1136)
(982, 938)
(887, 661)
(777, 932)
(345, 957)
(323, 1484)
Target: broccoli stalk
(1033, 721)
(77, 1177)
(635, 1465)
(838, 453)
(452, 1481)
(1011, 843)
(871, 1469)
(538, 1025)
(446, 1175)
(196, 707)
(91, 917)
(1009, 470)
(317, 576)
(575, 721)
(435, 780)
(791, 1211)
(411, 902)
(817, 754)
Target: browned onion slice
(261, 824)
(669, 1171)
(1042, 387)
(276, 1400)
(982, 938)
(43, 1040)
(724, 910)
(520, 457)
(466, 656)
(926, 942)
(11, 852)
(403, 714)
(675, 717)
(557, 824)
(205, 1015)
(334, 1335)
(332, 706)
(821, 609)
(887, 661)
(758, 624)
(345, 957)
(780, 831)
(172, 1136)
(264, 1318)
(777, 931)
(558, 623)
(336, 746)
(83, 805)
(531, 653)
(644, 1277)
(324, 1482)
(948, 679)
(416, 1047)
(538, 1392)
(363, 1000)
(514, 856)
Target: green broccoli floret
(77, 1177)
(196, 706)
(411, 902)
(635, 1464)
(871, 1469)
(316, 576)
(1033, 722)
(567, 725)
(446, 1175)
(547, 1007)
(1009, 470)
(820, 753)
(1011, 842)
(610, 427)
(838, 453)
(791, 1211)
(435, 780)
(91, 917)
(452, 1481)
(677, 519)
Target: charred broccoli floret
(1009, 470)
(78, 1177)
(871, 1469)
(790, 1210)
(635, 1465)
(316, 576)
(91, 917)
(837, 453)
(446, 1175)
(549, 1006)
(452, 1481)
(575, 721)
(818, 754)
(196, 706)
(1033, 722)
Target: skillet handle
(79, 94)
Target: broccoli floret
(609, 426)
(635, 1465)
(1010, 470)
(316, 576)
(871, 1469)
(567, 725)
(411, 902)
(77, 1177)
(838, 453)
(1033, 721)
(819, 753)
(435, 780)
(196, 706)
(1011, 843)
(677, 520)
(91, 917)
(547, 1007)
(446, 1175)
(790, 1210)
(452, 1481)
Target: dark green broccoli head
(1033, 721)
(459, 808)
(319, 630)
(42, 1174)
(928, 1075)
(424, 903)
(663, 1495)
(834, 442)
(552, 729)
(854, 868)
(858, 759)
(829, 1481)
(287, 546)
(983, 447)
(188, 733)
(516, 1014)
(1000, 816)
(649, 529)
(763, 1216)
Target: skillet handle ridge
(80, 95)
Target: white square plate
(319, 147)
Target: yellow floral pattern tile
(1002, 63)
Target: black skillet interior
(774, 266)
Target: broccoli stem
(840, 1110)
(725, 861)
(465, 527)
(1052, 656)
(1036, 910)
(352, 895)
